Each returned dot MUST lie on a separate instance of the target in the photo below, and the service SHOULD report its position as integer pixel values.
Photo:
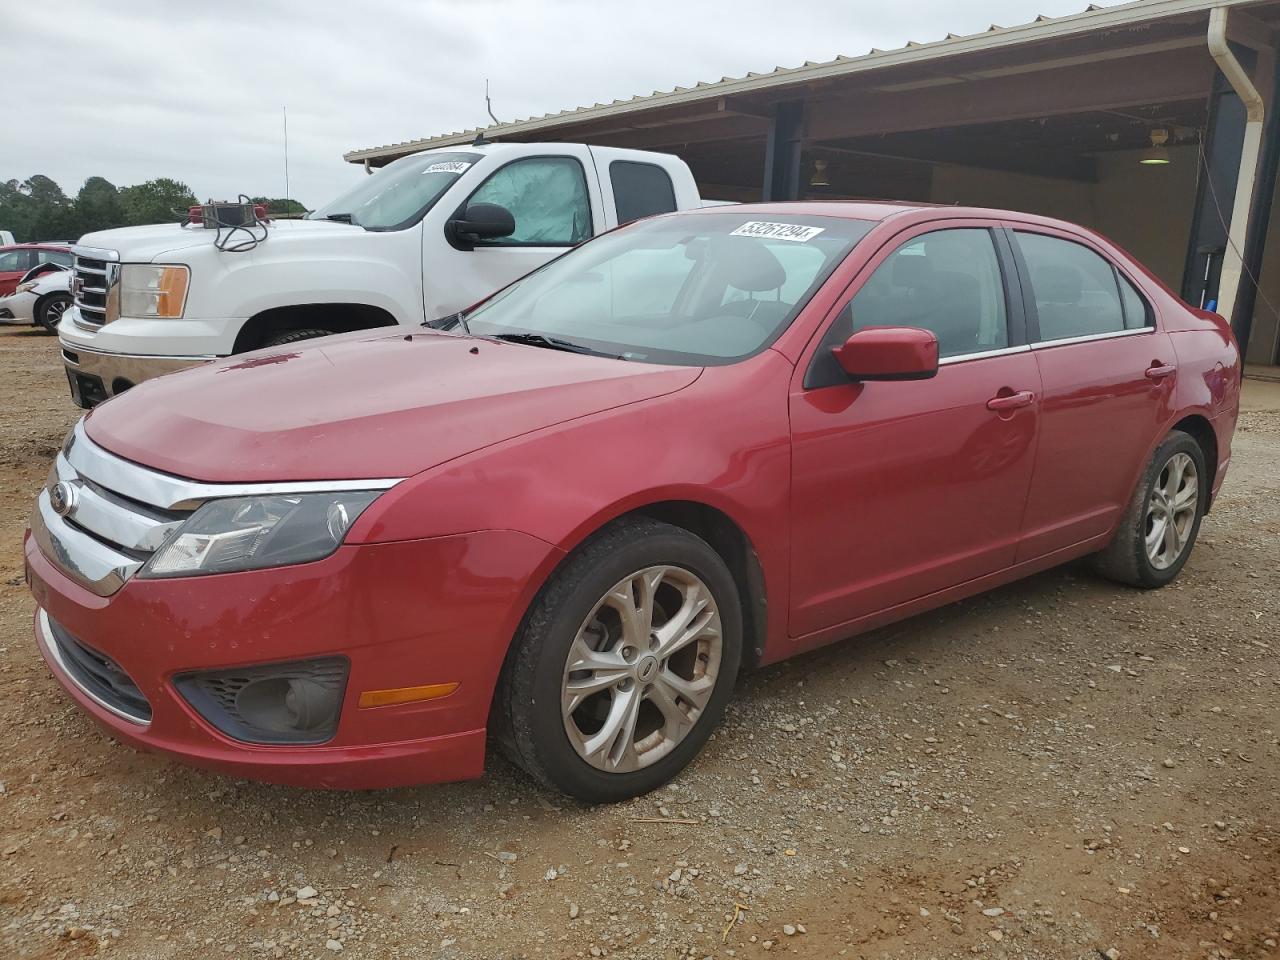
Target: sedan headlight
(26, 287)
(148, 290)
(250, 533)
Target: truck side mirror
(481, 221)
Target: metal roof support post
(782, 152)
(1255, 116)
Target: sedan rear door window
(12, 261)
(1076, 290)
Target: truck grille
(93, 282)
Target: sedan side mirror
(482, 221)
(889, 353)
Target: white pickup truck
(424, 237)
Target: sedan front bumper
(401, 614)
(18, 308)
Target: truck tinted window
(548, 198)
(640, 190)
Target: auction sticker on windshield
(448, 166)
(777, 231)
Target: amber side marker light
(388, 698)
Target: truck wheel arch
(334, 317)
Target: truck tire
(293, 336)
(624, 663)
(50, 310)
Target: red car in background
(569, 517)
(16, 259)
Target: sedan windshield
(705, 288)
(400, 194)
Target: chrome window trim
(50, 643)
(169, 492)
(984, 354)
(1089, 338)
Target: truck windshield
(703, 288)
(399, 194)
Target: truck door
(555, 201)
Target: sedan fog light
(295, 702)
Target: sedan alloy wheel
(641, 669)
(1171, 511)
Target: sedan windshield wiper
(552, 343)
(339, 217)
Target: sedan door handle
(1158, 371)
(1012, 401)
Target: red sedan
(569, 518)
(18, 258)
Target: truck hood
(362, 406)
(144, 244)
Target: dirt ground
(1059, 769)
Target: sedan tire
(1160, 526)
(624, 664)
(49, 311)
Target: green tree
(98, 206)
(280, 207)
(157, 201)
(49, 212)
(15, 209)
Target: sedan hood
(362, 406)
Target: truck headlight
(152, 290)
(250, 533)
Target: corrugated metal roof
(1093, 18)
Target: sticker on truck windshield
(777, 231)
(448, 166)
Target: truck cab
(402, 247)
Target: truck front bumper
(96, 376)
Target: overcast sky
(154, 88)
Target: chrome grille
(93, 518)
(100, 516)
(96, 273)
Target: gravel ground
(1059, 769)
